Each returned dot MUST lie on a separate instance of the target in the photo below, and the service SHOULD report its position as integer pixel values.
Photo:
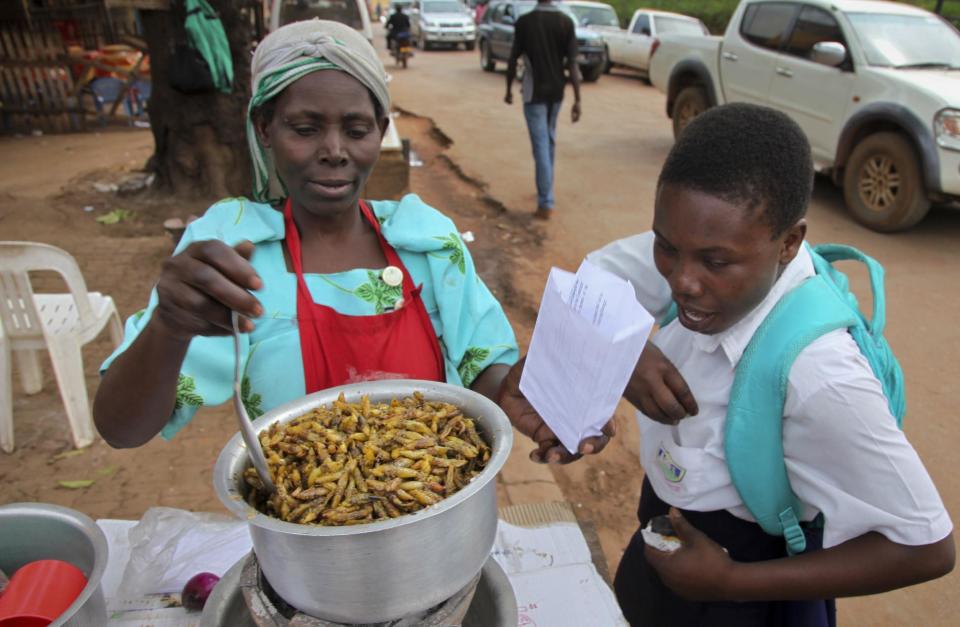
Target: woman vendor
(331, 289)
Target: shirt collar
(735, 339)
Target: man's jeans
(542, 125)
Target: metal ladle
(246, 426)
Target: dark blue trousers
(647, 602)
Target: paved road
(606, 173)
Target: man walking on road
(546, 39)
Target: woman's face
(325, 137)
(719, 258)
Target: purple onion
(197, 590)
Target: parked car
(353, 13)
(594, 15)
(495, 37)
(632, 47)
(874, 85)
(442, 22)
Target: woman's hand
(528, 422)
(200, 286)
(658, 389)
(698, 570)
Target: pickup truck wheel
(592, 73)
(607, 66)
(883, 185)
(470, 45)
(690, 102)
(486, 61)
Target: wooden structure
(43, 71)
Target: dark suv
(495, 37)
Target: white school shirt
(844, 454)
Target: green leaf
(115, 216)
(469, 367)
(187, 393)
(378, 292)
(76, 484)
(454, 245)
(367, 292)
(66, 454)
(106, 472)
(251, 400)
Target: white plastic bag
(169, 546)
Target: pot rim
(225, 482)
(93, 532)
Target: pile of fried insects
(353, 463)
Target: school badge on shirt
(672, 472)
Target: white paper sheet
(553, 577)
(589, 334)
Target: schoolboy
(727, 239)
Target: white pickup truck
(632, 47)
(874, 85)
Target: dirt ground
(478, 169)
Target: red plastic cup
(39, 592)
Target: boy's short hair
(745, 154)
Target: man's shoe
(542, 213)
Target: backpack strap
(753, 439)
(869, 333)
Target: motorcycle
(402, 48)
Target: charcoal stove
(244, 598)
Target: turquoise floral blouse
(470, 324)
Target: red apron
(340, 349)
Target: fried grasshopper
(354, 463)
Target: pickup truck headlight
(946, 128)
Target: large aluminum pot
(387, 569)
(34, 531)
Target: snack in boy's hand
(659, 534)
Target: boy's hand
(528, 422)
(659, 390)
(575, 112)
(698, 570)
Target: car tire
(486, 60)
(592, 73)
(470, 45)
(690, 102)
(607, 66)
(883, 185)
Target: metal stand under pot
(244, 598)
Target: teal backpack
(820, 304)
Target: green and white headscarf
(290, 53)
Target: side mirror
(508, 19)
(585, 21)
(645, 31)
(830, 53)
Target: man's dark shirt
(398, 23)
(548, 39)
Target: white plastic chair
(61, 323)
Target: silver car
(442, 22)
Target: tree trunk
(200, 139)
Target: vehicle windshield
(595, 16)
(667, 24)
(344, 11)
(906, 41)
(526, 7)
(445, 6)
